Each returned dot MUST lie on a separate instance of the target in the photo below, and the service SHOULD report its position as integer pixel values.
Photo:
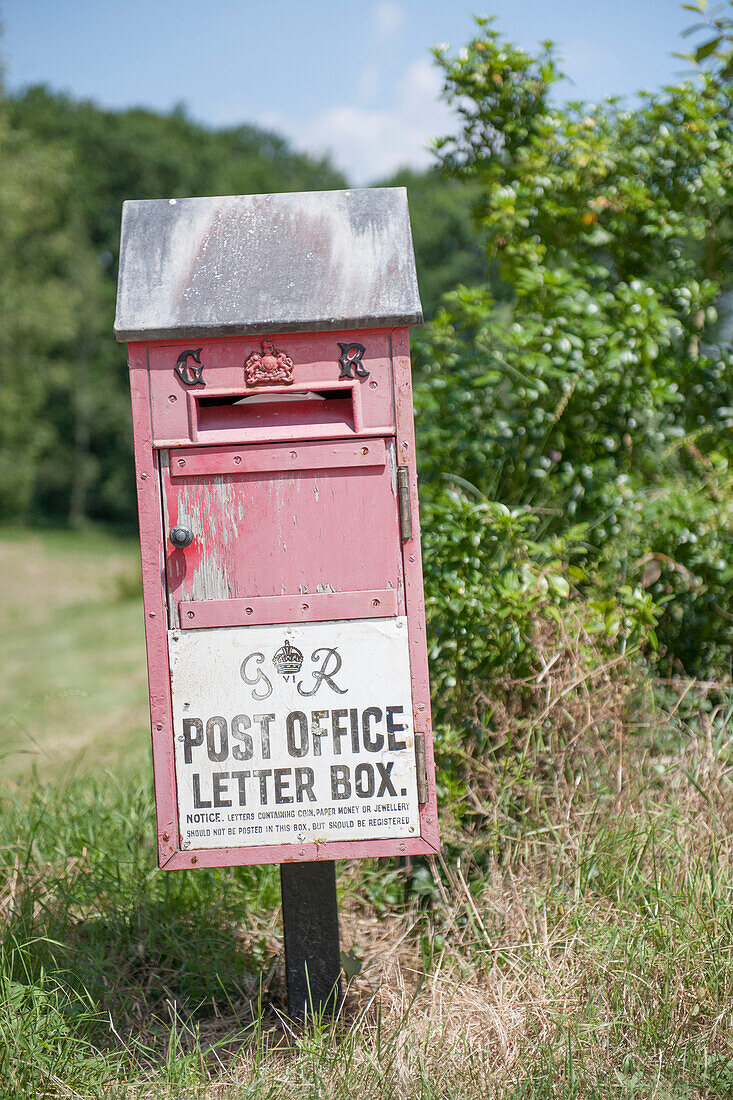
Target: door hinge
(403, 492)
(421, 768)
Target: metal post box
(277, 487)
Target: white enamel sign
(288, 734)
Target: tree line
(65, 169)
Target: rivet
(194, 859)
(237, 460)
(190, 614)
(172, 397)
(181, 462)
(301, 852)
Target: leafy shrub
(600, 397)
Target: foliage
(718, 49)
(602, 393)
(66, 168)
(37, 306)
(65, 442)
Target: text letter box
(277, 488)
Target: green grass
(573, 940)
(73, 693)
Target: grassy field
(73, 692)
(575, 938)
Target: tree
(36, 306)
(599, 395)
(67, 167)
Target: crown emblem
(288, 660)
(268, 367)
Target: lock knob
(181, 537)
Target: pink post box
(275, 462)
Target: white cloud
(389, 17)
(369, 143)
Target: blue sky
(353, 78)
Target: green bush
(600, 397)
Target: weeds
(571, 940)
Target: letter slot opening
(290, 409)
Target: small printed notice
(293, 734)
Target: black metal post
(310, 922)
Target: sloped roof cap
(266, 263)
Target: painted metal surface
(227, 410)
(240, 564)
(290, 533)
(314, 261)
(294, 734)
(309, 607)
(277, 458)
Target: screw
(151, 614)
(375, 603)
(412, 557)
(237, 460)
(181, 462)
(143, 477)
(301, 852)
(372, 385)
(172, 398)
(194, 859)
(248, 610)
(165, 838)
(159, 725)
(304, 607)
(365, 450)
(190, 614)
(403, 847)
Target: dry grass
(574, 939)
(587, 954)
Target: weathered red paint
(309, 608)
(330, 449)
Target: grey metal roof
(266, 263)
